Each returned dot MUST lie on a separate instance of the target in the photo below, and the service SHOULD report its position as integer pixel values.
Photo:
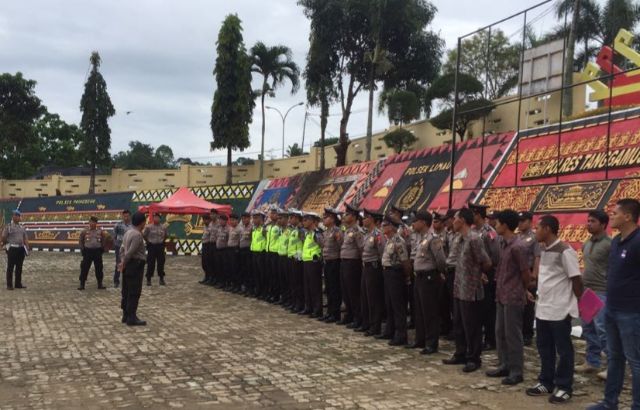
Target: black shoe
(353, 325)
(81, 287)
(101, 286)
(471, 367)
(497, 373)
(361, 329)
(429, 350)
(384, 337)
(136, 322)
(332, 319)
(315, 315)
(20, 287)
(415, 346)
(9, 287)
(559, 396)
(116, 285)
(124, 319)
(538, 390)
(372, 332)
(512, 380)
(528, 341)
(344, 321)
(397, 342)
(162, 282)
(148, 282)
(203, 281)
(454, 360)
(304, 312)
(324, 318)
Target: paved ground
(65, 349)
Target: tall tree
(345, 27)
(20, 108)
(275, 65)
(471, 103)
(491, 58)
(143, 156)
(96, 109)
(233, 101)
(59, 143)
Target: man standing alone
(92, 246)
(132, 268)
(155, 235)
(15, 236)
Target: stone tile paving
(65, 349)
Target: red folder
(589, 305)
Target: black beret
(392, 221)
(376, 216)
(138, 218)
(523, 216)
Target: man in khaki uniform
(155, 235)
(14, 236)
(92, 242)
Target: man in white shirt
(559, 287)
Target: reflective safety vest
(283, 241)
(294, 249)
(258, 241)
(311, 249)
(273, 233)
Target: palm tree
(275, 64)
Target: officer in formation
(14, 238)
(373, 307)
(332, 242)
(93, 243)
(154, 235)
(132, 259)
(351, 268)
(118, 235)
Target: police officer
(294, 255)
(332, 242)
(396, 269)
(259, 255)
(405, 231)
(273, 233)
(214, 228)
(14, 236)
(526, 234)
(312, 265)
(428, 268)
(205, 250)
(92, 242)
(155, 235)
(244, 254)
(351, 268)
(221, 278)
(132, 268)
(490, 240)
(283, 263)
(118, 233)
(453, 249)
(372, 280)
(235, 232)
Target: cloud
(158, 58)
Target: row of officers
(392, 269)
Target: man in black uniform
(92, 242)
(15, 237)
(132, 268)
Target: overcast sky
(158, 57)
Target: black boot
(162, 282)
(81, 287)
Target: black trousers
(131, 288)
(243, 262)
(529, 317)
(211, 262)
(274, 276)
(297, 284)
(259, 262)
(15, 259)
(350, 281)
(205, 256)
(91, 256)
(468, 329)
(372, 292)
(446, 303)
(155, 254)
(395, 286)
(426, 292)
(489, 312)
(332, 287)
(283, 276)
(411, 307)
(313, 287)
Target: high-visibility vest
(283, 242)
(258, 241)
(294, 247)
(273, 233)
(311, 249)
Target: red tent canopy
(183, 201)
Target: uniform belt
(426, 272)
(15, 246)
(372, 263)
(399, 267)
